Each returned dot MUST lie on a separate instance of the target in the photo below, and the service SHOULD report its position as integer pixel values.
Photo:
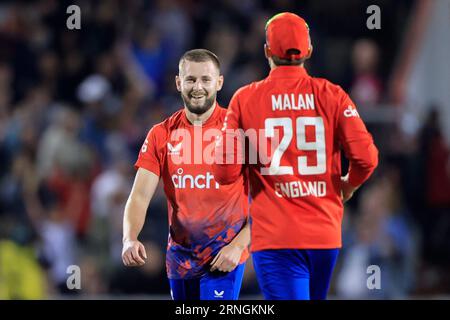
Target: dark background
(75, 106)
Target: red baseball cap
(286, 31)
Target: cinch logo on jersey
(200, 181)
(350, 112)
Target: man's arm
(229, 157)
(229, 256)
(358, 146)
(229, 152)
(145, 183)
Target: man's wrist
(128, 239)
(238, 245)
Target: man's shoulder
(168, 123)
(326, 86)
(222, 111)
(248, 90)
(320, 83)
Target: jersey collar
(288, 72)
(211, 120)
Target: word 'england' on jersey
(296, 189)
(291, 101)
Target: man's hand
(347, 189)
(228, 258)
(133, 253)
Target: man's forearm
(362, 164)
(134, 218)
(242, 239)
(229, 158)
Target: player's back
(296, 192)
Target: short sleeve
(148, 157)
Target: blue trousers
(212, 286)
(295, 274)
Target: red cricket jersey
(203, 216)
(296, 200)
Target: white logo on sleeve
(174, 149)
(144, 146)
(351, 112)
(218, 294)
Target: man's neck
(199, 119)
(274, 66)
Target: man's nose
(198, 85)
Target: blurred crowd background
(75, 106)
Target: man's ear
(267, 52)
(178, 83)
(310, 51)
(219, 83)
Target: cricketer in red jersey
(208, 230)
(297, 196)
